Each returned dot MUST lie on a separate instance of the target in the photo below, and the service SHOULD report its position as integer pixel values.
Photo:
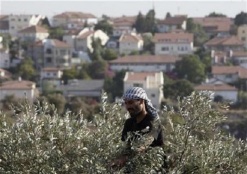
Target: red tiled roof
(228, 40)
(215, 23)
(225, 69)
(71, 15)
(139, 75)
(34, 29)
(215, 87)
(85, 35)
(146, 59)
(15, 85)
(176, 20)
(241, 71)
(60, 44)
(173, 37)
(130, 38)
(239, 53)
(3, 17)
(123, 21)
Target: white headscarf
(139, 93)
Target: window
(48, 51)
(243, 31)
(25, 19)
(62, 52)
(229, 76)
(165, 49)
(48, 60)
(243, 38)
(152, 95)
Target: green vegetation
(38, 142)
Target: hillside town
(70, 59)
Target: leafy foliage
(199, 34)
(42, 143)
(190, 68)
(240, 19)
(105, 26)
(214, 14)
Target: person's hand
(141, 149)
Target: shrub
(38, 142)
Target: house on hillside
(82, 88)
(242, 34)
(224, 43)
(225, 57)
(144, 63)
(83, 41)
(130, 42)
(220, 90)
(172, 23)
(4, 58)
(123, 25)
(50, 53)
(215, 26)
(50, 77)
(74, 20)
(19, 22)
(20, 89)
(173, 43)
(151, 82)
(229, 74)
(33, 33)
(4, 24)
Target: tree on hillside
(240, 19)
(26, 69)
(190, 68)
(97, 69)
(178, 88)
(139, 24)
(150, 22)
(58, 101)
(168, 15)
(148, 45)
(56, 33)
(69, 74)
(109, 54)
(105, 26)
(199, 34)
(114, 86)
(146, 23)
(97, 52)
(214, 14)
(83, 71)
(205, 58)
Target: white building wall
(142, 68)
(4, 60)
(173, 49)
(19, 22)
(227, 95)
(227, 79)
(70, 40)
(29, 94)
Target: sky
(196, 8)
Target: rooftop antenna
(153, 4)
(178, 9)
